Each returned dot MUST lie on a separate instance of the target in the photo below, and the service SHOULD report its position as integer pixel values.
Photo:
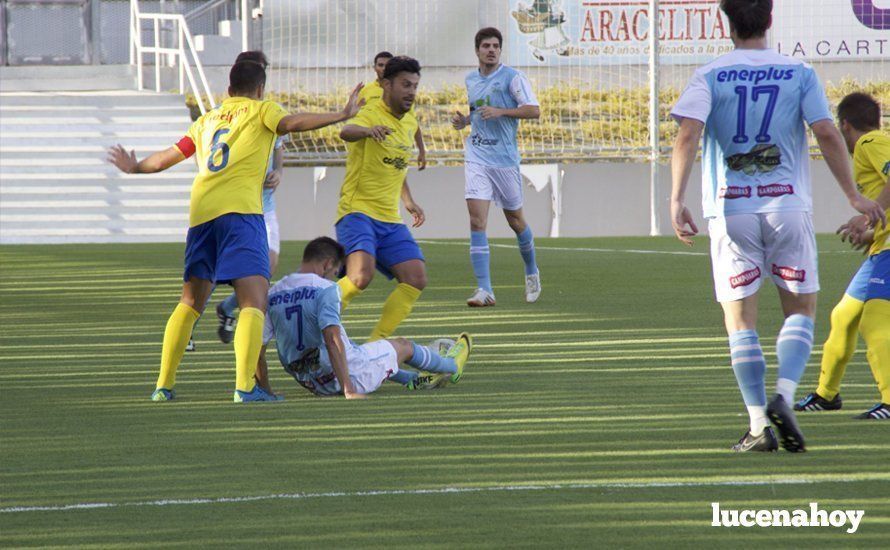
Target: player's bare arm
(337, 354)
(273, 179)
(155, 162)
(833, 148)
(421, 149)
(682, 159)
(354, 132)
(412, 207)
(524, 112)
(303, 122)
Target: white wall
(599, 199)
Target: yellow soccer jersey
(233, 143)
(871, 167)
(376, 171)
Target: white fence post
(654, 132)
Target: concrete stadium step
(56, 185)
(32, 78)
(103, 99)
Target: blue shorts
(389, 243)
(232, 246)
(879, 282)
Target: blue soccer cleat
(163, 394)
(257, 394)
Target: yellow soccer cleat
(460, 352)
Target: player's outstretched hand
(871, 209)
(354, 103)
(459, 121)
(379, 133)
(680, 218)
(125, 162)
(421, 160)
(417, 213)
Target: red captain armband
(186, 146)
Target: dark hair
(323, 248)
(861, 111)
(384, 54)
(489, 32)
(401, 64)
(246, 76)
(254, 55)
(748, 18)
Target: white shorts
(272, 234)
(371, 364)
(503, 185)
(747, 247)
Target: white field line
(446, 491)
(576, 249)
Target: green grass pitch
(599, 417)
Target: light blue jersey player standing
(753, 104)
(304, 319)
(499, 96)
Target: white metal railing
(183, 40)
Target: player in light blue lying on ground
(304, 319)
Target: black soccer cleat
(226, 330)
(815, 402)
(766, 442)
(881, 411)
(781, 415)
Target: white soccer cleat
(532, 287)
(481, 298)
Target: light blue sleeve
(813, 103)
(695, 101)
(329, 307)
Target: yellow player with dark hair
(226, 240)
(369, 225)
(866, 302)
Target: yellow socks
(839, 347)
(875, 328)
(176, 338)
(248, 343)
(396, 308)
(348, 291)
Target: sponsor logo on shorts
(735, 192)
(876, 281)
(479, 141)
(396, 162)
(774, 190)
(789, 273)
(744, 278)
